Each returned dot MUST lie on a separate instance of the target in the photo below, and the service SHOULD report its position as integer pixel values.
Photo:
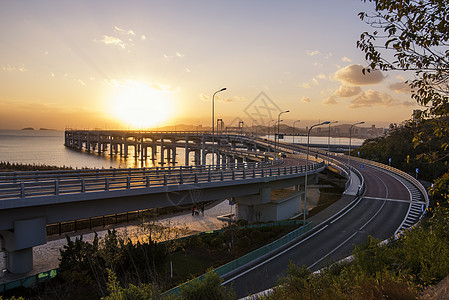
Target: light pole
(275, 145)
(297, 121)
(307, 167)
(350, 132)
(213, 125)
(329, 142)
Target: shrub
(244, 242)
(242, 222)
(217, 242)
(256, 235)
(208, 288)
(195, 240)
(241, 233)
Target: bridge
(31, 200)
(246, 170)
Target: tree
(413, 35)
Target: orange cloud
(353, 74)
(375, 98)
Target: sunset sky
(138, 64)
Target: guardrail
(111, 180)
(241, 261)
(400, 173)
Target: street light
(329, 142)
(213, 125)
(307, 167)
(350, 131)
(279, 121)
(269, 127)
(294, 130)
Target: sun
(140, 105)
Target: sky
(147, 64)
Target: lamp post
(350, 132)
(297, 121)
(279, 121)
(307, 167)
(329, 142)
(213, 125)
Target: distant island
(31, 128)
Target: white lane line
(382, 206)
(335, 249)
(335, 220)
(393, 200)
(273, 257)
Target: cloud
(400, 87)
(129, 83)
(352, 74)
(305, 85)
(179, 54)
(312, 53)
(331, 100)
(372, 98)
(305, 100)
(143, 38)
(112, 41)
(205, 97)
(123, 31)
(348, 91)
(346, 59)
(321, 76)
(9, 68)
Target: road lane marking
(335, 249)
(273, 257)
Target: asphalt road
(378, 213)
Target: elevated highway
(31, 200)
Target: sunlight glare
(140, 105)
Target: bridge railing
(127, 181)
(400, 173)
(66, 174)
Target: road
(378, 213)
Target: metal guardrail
(400, 173)
(241, 261)
(87, 181)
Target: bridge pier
(20, 241)
(264, 208)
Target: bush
(217, 242)
(195, 240)
(208, 288)
(241, 233)
(256, 235)
(242, 222)
(244, 242)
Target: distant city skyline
(144, 64)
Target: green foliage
(208, 288)
(244, 242)
(415, 38)
(84, 263)
(217, 242)
(407, 155)
(132, 292)
(401, 269)
(440, 190)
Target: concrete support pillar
(99, 143)
(186, 152)
(88, 142)
(19, 243)
(203, 151)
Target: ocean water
(47, 147)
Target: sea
(46, 147)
